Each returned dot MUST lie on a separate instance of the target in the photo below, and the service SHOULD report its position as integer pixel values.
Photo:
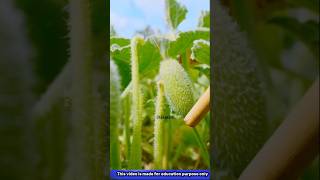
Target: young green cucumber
(177, 86)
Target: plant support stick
(293, 145)
(199, 110)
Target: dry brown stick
(199, 110)
(293, 145)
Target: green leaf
(204, 19)
(201, 51)
(149, 58)
(185, 40)
(307, 32)
(120, 41)
(203, 68)
(121, 56)
(175, 12)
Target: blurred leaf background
(43, 50)
(47, 28)
(285, 37)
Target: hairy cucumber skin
(239, 125)
(177, 86)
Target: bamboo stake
(199, 110)
(293, 145)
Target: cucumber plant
(161, 77)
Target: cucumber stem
(126, 132)
(135, 155)
(158, 152)
(115, 111)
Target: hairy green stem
(126, 132)
(165, 146)
(135, 155)
(115, 111)
(158, 151)
(126, 91)
(169, 144)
